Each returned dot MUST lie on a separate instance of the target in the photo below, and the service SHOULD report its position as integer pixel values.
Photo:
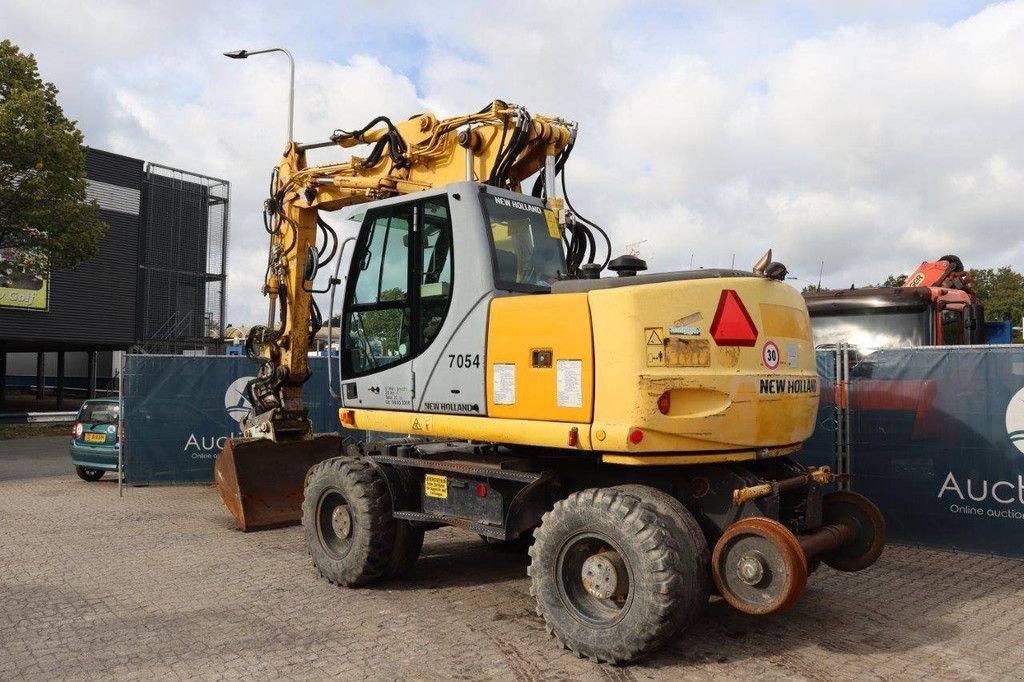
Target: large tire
(695, 554)
(87, 474)
(645, 608)
(346, 516)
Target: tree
(387, 327)
(1001, 291)
(45, 217)
(893, 281)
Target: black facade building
(156, 284)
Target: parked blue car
(95, 440)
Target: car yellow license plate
(435, 485)
(95, 438)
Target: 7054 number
(463, 360)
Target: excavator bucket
(261, 481)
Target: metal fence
(183, 256)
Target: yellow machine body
(627, 347)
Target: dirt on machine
(634, 430)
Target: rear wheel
(87, 474)
(695, 554)
(606, 573)
(349, 530)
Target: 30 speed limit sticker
(770, 355)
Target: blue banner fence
(178, 410)
(934, 436)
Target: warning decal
(504, 384)
(435, 485)
(569, 383)
(653, 336)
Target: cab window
(436, 270)
(399, 285)
(952, 328)
(527, 245)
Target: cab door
(377, 320)
(398, 296)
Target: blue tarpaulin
(936, 434)
(937, 442)
(178, 410)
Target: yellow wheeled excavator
(635, 427)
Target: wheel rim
(334, 523)
(594, 579)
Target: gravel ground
(158, 584)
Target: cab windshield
(527, 244)
(871, 330)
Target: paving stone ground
(158, 585)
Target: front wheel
(88, 474)
(350, 532)
(605, 570)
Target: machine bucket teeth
(261, 481)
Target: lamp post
(243, 54)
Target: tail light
(636, 436)
(76, 432)
(665, 402)
(732, 325)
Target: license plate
(95, 438)
(435, 485)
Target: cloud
(871, 138)
(872, 148)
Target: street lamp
(243, 54)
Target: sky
(855, 139)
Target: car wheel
(87, 474)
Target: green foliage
(386, 325)
(1001, 290)
(43, 206)
(894, 281)
(811, 289)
